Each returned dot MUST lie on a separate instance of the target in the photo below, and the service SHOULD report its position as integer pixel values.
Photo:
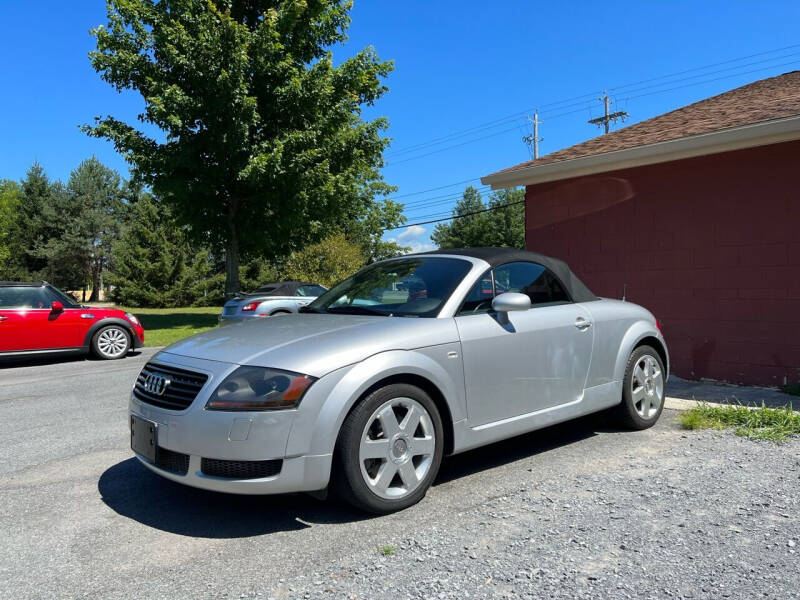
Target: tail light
(250, 306)
(658, 325)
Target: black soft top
(501, 256)
(279, 288)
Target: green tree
(503, 225)
(327, 262)
(30, 228)
(10, 194)
(155, 264)
(262, 145)
(149, 257)
(84, 217)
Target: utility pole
(606, 119)
(533, 140)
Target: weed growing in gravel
(774, 424)
(387, 550)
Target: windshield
(408, 287)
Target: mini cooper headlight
(132, 318)
(259, 388)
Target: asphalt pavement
(578, 510)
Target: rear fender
(635, 334)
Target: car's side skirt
(43, 351)
(594, 399)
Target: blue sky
(458, 66)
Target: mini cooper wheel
(111, 342)
(643, 389)
(389, 449)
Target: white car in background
(271, 299)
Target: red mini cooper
(38, 318)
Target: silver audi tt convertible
(408, 360)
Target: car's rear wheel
(643, 389)
(389, 449)
(111, 342)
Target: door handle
(582, 323)
(2, 318)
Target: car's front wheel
(643, 389)
(111, 342)
(389, 449)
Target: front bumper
(298, 474)
(197, 433)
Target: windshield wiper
(357, 310)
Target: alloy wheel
(397, 448)
(112, 342)
(647, 386)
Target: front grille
(178, 394)
(240, 469)
(174, 462)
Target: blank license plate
(144, 437)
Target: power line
(585, 99)
(794, 62)
(436, 189)
(453, 218)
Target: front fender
(316, 427)
(635, 334)
(104, 322)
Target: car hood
(313, 344)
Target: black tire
(347, 481)
(103, 351)
(627, 413)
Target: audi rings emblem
(156, 384)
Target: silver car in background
(271, 299)
(408, 360)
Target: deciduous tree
(503, 225)
(327, 262)
(254, 135)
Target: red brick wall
(710, 245)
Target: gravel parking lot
(581, 510)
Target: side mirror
(511, 301)
(57, 307)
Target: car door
(536, 360)
(24, 312)
(68, 328)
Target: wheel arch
(639, 334)
(429, 388)
(97, 326)
(658, 346)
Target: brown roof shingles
(763, 100)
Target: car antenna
(624, 290)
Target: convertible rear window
(407, 287)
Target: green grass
(774, 424)
(791, 389)
(387, 550)
(163, 326)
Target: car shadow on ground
(57, 359)
(134, 492)
(523, 446)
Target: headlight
(258, 388)
(132, 318)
